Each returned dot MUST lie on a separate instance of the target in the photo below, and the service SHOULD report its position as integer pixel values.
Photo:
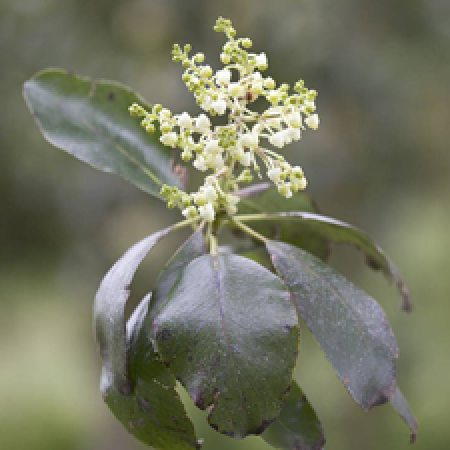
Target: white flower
(285, 190)
(170, 139)
(200, 163)
(231, 204)
(219, 106)
(207, 212)
(292, 134)
(206, 71)
(212, 146)
(225, 58)
(203, 123)
(309, 105)
(250, 140)
(278, 139)
(274, 174)
(236, 90)
(206, 103)
(218, 161)
(312, 121)
(294, 119)
(246, 159)
(190, 212)
(299, 184)
(274, 122)
(210, 193)
(223, 76)
(261, 61)
(184, 120)
(269, 83)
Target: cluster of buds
(235, 150)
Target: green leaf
(135, 385)
(350, 326)
(270, 201)
(169, 277)
(297, 427)
(401, 406)
(230, 335)
(90, 120)
(152, 411)
(340, 232)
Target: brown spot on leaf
(111, 96)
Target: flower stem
(249, 230)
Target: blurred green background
(380, 160)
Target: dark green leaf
(136, 386)
(109, 308)
(350, 326)
(341, 232)
(230, 335)
(90, 120)
(152, 410)
(297, 427)
(401, 406)
(270, 201)
(170, 275)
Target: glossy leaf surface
(297, 427)
(350, 326)
(138, 389)
(152, 410)
(90, 120)
(229, 333)
(340, 232)
(170, 275)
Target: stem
(185, 223)
(213, 244)
(249, 230)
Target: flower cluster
(235, 150)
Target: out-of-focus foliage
(380, 161)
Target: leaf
(230, 335)
(109, 309)
(350, 326)
(341, 232)
(401, 406)
(152, 411)
(297, 427)
(138, 389)
(270, 201)
(191, 249)
(90, 120)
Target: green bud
(199, 57)
(186, 155)
(246, 43)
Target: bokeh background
(380, 160)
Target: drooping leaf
(90, 120)
(401, 406)
(109, 309)
(152, 411)
(270, 201)
(350, 326)
(297, 427)
(136, 386)
(230, 335)
(340, 232)
(191, 249)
